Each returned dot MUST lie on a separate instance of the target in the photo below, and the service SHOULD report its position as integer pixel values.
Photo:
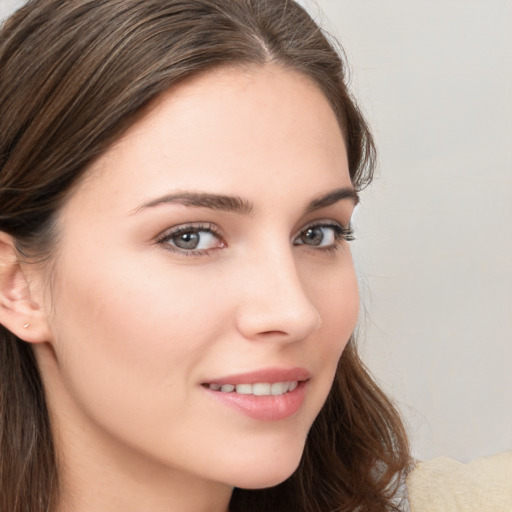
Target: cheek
(124, 334)
(335, 293)
(128, 353)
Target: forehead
(221, 128)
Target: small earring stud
(27, 325)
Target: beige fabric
(445, 485)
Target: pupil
(313, 236)
(187, 241)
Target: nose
(274, 303)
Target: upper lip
(270, 375)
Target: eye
(323, 236)
(192, 239)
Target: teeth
(244, 389)
(258, 389)
(261, 389)
(278, 388)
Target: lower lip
(264, 408)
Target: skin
(135, 326)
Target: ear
(21, 310)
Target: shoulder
(446, 485)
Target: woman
(177, 293)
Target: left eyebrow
(331, 198)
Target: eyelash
(166, 237)
(340, 233)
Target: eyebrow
(236, 204)
(220, 202)
(333, 197)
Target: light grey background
(8, 6)
(435, 229)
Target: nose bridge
(275, 300)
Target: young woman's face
(205, 251)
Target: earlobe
(20, 311)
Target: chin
(263, 482)
(272, 474)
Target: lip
(270, 375)
(263, 408)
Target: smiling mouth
(257, 389)
(271, 394)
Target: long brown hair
(74, 74)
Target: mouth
(265, 395)
(257, 389)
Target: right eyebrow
(333, 197)
(202, 200)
